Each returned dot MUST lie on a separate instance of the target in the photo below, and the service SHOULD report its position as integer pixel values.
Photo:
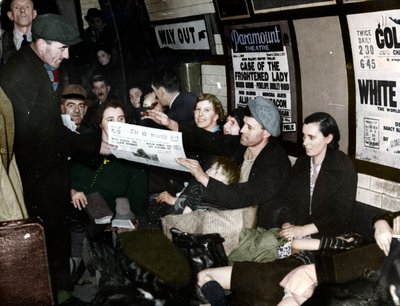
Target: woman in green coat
(110, 176)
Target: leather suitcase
(24, 270)
(341, 266)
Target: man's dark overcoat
(182, 108)
(268, 176)
(42, 145)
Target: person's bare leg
(222, 275)
(292, 299)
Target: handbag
(227, 223)
(203, 251)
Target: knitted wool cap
(55, 27)
(266, 114)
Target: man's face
(97, 23)
(252, 132)
(101, 90)
(22, 13)
(161, 95)
(75, 108)
(53, 53)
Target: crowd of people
(234, 161)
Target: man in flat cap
(264, 165)
(73, 106)
(42, 142)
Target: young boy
(192, 196)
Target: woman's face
(205, 116)
(110, 114)
(231, 126)
(315, 142)
(103, 57)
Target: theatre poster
(375, 43)
(262, 65)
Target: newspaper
(146, 145)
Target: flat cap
(55, 28)
(266, 114)
(73, 91)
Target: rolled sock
(336, 243)
(214, 293)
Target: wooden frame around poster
(354, 1)
(261, 63)
(265, 6)
(232, 9)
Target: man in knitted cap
(264, 168)
(42, 143)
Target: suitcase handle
(21, 222)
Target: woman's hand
(166, 197)
(383, 234)
(78, 199)
(195, 169)
(291, 231)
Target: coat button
(2, 150)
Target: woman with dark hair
(109, 65)
(319, 202)
(110, 176)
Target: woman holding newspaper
(109, 176)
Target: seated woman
(319, 200)
(208, 114)
(109, 66)
(110, 176)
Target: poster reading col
(375, 42)
(261, 68)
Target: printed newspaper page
(146, 145)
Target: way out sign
(190, 35)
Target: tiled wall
(378, 192)
(214, 82)
(371, 190)
(87, 4)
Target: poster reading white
(146, 145)
(260, 68)
(375, 42)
